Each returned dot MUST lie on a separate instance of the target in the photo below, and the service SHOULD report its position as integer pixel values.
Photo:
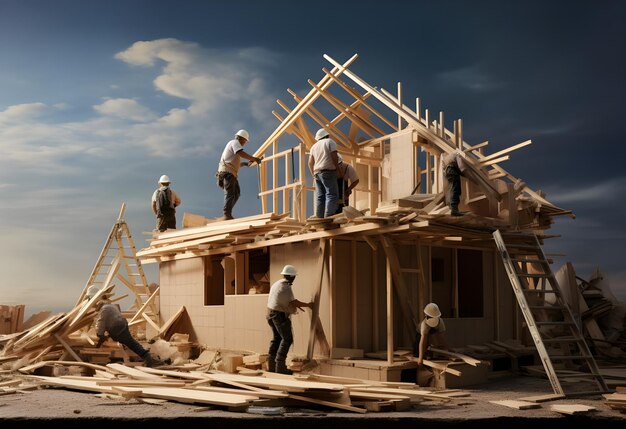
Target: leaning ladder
(118, 260)
(555, 333)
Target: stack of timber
(11, 318)
(236, 392)
(71, 337)
(253, 232)
(617, 400)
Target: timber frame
(369, 274)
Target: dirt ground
(77, 409)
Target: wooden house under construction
(372, 269)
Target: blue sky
(99, 98)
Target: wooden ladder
(556, 335)
(118, 260)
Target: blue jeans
(326, 193)
(282, 335)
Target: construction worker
(111, 321)
(280, 305)
(323, 164)
(346, 174)
(432, 331)
(228, 169)
(164, 203)
(453, 166)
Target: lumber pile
(237, 392)
(617, 400)
(11, 318)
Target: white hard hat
(92, 291)
(243, 133)
(432, 310)
(289, 270)
(320, 134)
(164, 179)
(432, 322)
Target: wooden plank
(571, 409)
(389, 301)
(145, 305)
(328, 403)
(132, 372)
(68, 348)
(467, 359)
(289, 385)
(321, 263)
(518, 405)
(542, 398)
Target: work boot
(271, 365)
(455, 211)
(281, 368)
(151, 361)
(225, 217)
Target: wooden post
(353, 292)
(399, 104)
(316, 299)
(389, 315)
(375, 312)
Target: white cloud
(125, 108)
(22, 112)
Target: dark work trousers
(453, 175)
(166, 222)
(282, 335)
(342, 186)
(122, 335)
(231, 192)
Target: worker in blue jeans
(281, 304)
(323, 165)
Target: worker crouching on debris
(280, 305)
(432, 331)
(111, 320)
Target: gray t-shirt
(110, 319)
(281, 295)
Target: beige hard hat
(289, 270)
(243, 133)
(164, 179)
(320, 134)
(432, 310)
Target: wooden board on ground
(542, 398)
(518, 405)
(572, 409)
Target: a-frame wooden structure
(382, 267)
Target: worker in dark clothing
(452, 165)
(111, 321)
(281, 304)
(432, 330)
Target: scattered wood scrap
(518, 405)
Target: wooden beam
(321, 263)
(389, 300)
(399, 285)
(300, 108)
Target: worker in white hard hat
(432, 331)
(228, 169)
(347, 179)
(111, 323)
(164, 203)
(281, 304)
(324, 164)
